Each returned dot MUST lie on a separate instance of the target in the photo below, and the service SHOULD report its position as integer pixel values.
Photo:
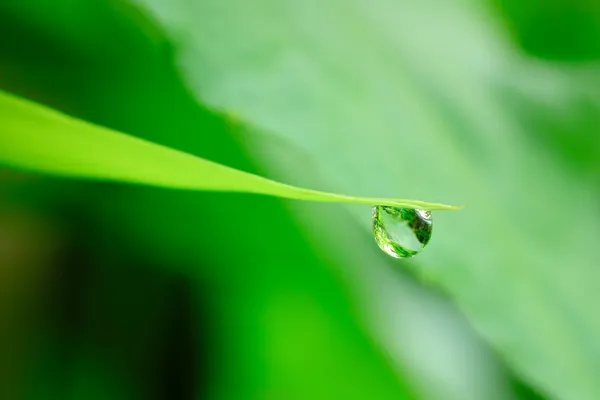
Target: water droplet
(401, 232)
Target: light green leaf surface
(415, 91)
(39, 139)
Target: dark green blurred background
(109, 291)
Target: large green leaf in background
(375, 93)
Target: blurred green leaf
(556, 30)
(417, 86)
(284, 325)
(70, 147)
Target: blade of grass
(36, 138)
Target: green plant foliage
(69, 147)
(280, 314)
(426, 88)
(418, 97)
(561, 30)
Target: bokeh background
(112, 291)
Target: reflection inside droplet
(401, 232)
